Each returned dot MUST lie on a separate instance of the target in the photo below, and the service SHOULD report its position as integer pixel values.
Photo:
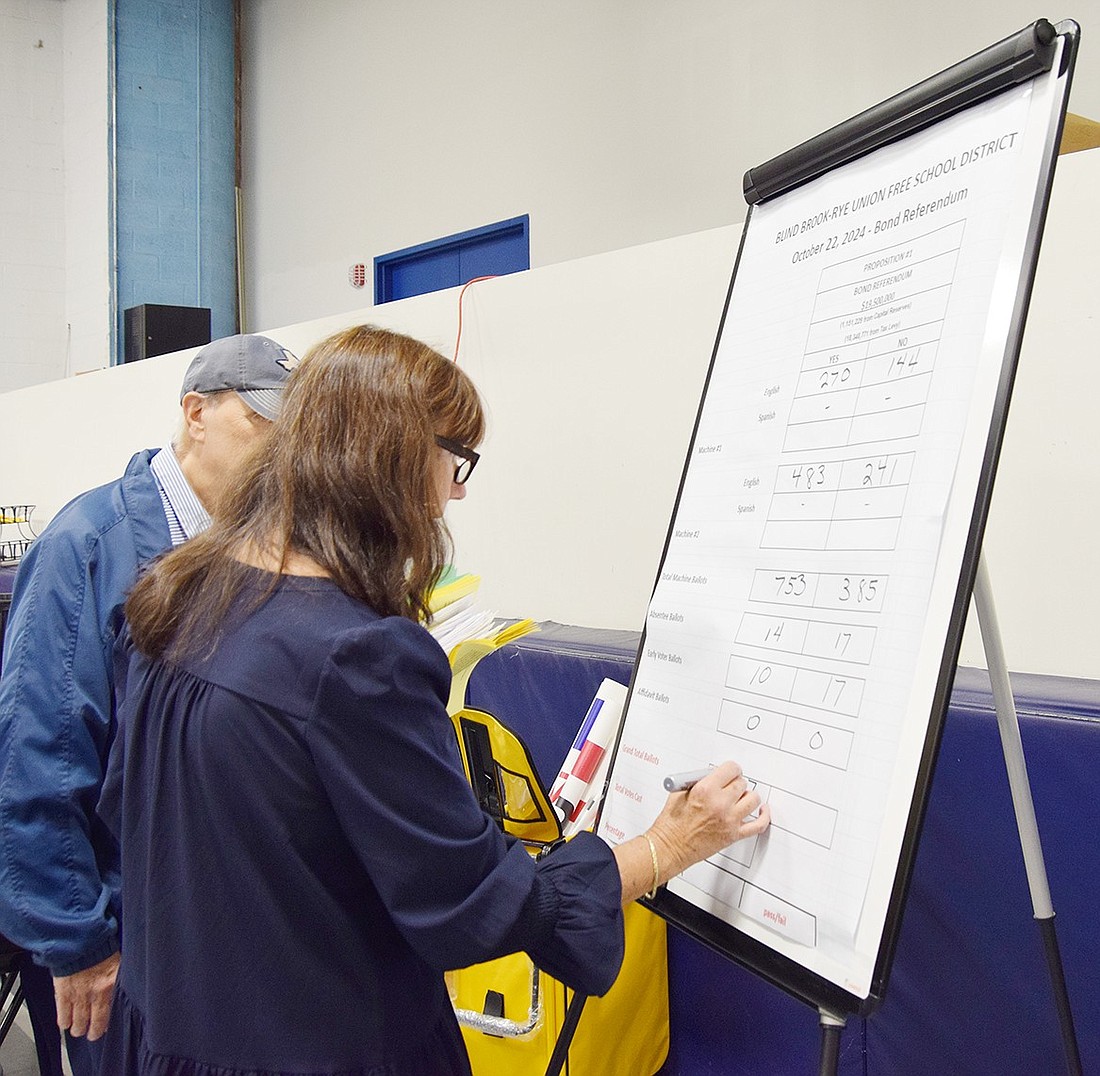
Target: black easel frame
(1016, 59)
(1010, 62)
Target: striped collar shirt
(183, 510)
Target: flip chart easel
(827, 532)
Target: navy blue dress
(302, 856)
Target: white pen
(681, 782)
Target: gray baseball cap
(254, 367)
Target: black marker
(681, 782)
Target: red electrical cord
(474, 280)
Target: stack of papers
(456, 614)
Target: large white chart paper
(814, 557)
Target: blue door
(495, 250)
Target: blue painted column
(175, 204)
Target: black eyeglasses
(465, 458)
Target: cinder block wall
(175, 158)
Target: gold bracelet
(656, 869)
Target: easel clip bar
(1016, 59)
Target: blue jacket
(58, 863)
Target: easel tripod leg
(1009, 725)
(565, 1036)
(1061, 995)
(831, 1027)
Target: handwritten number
(865, 591)
(791, 585)
(839, 685)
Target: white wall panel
(32, 210)
(592, 372)
(87, 202)
(370, 126)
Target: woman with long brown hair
(302, 856)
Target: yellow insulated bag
(509, 1011)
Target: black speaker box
(153, 329)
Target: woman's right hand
(708, 817)
(692, 826)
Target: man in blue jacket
(58, 864)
